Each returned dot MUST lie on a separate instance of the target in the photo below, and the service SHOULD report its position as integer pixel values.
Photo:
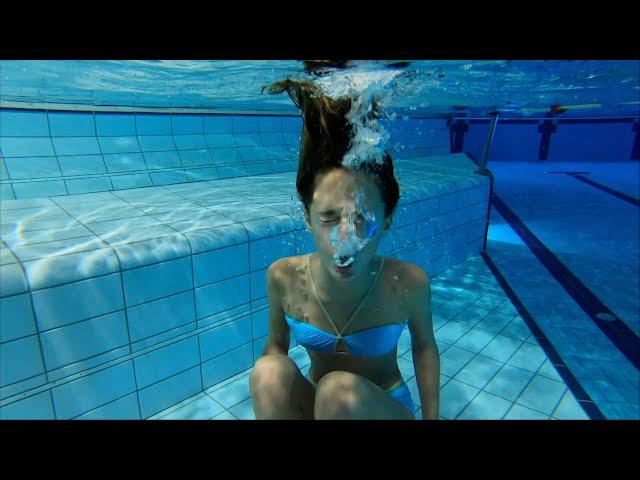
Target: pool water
(136, 226)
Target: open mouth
(346, 266)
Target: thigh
(367, 400)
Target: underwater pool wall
(53, 153)
(577, 140)
(120, 303)
(64, 153)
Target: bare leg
(347, 396)
(279, 390)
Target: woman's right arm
(278, 341)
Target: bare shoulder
(414, 276)
(283, 268)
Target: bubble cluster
(370, 92)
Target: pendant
(341, 346)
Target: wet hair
(326, 138)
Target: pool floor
(492, 367)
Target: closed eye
(359, 219)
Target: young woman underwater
(346, 305)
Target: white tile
(406, 368)
(442, 346)
(83, 340)
(35, 407)
(454, 397)
(155, 281)
(244, 410)
(159, 396)
(531, 339)
(226, 415)
(202, 409)
(172, 408)
(26, 147)
(530, 357)
(509, 382)
(501, 348)
(548, 370)
(69, 124)
(569, 408)
(475, 340)
(232, 393)
(478, 371)
(20, 359)
(404, 343)
(166, 362)
(542, 394)
(97, 389)
(452, 361)
(58, 306)
(224, 338)
(451, 332)
(485, 407)
(517, 329)
(413, 389)
(438, 321)
(125, 408)
(227, 381)
(518, 412)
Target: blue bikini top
(368, 343)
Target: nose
(343, 229)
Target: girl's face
(347, 222)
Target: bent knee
(337, 395)
(337, 382)
(272, 371)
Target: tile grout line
(126, 320)
(85, 373)
(620, 335)
(505, 363)
(104, 163)
(569, 378)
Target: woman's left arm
(426, 357)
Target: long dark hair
(326, 137)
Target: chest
(386, 304)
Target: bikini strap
(353, 315)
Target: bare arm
(426, 357)
(278, 341)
